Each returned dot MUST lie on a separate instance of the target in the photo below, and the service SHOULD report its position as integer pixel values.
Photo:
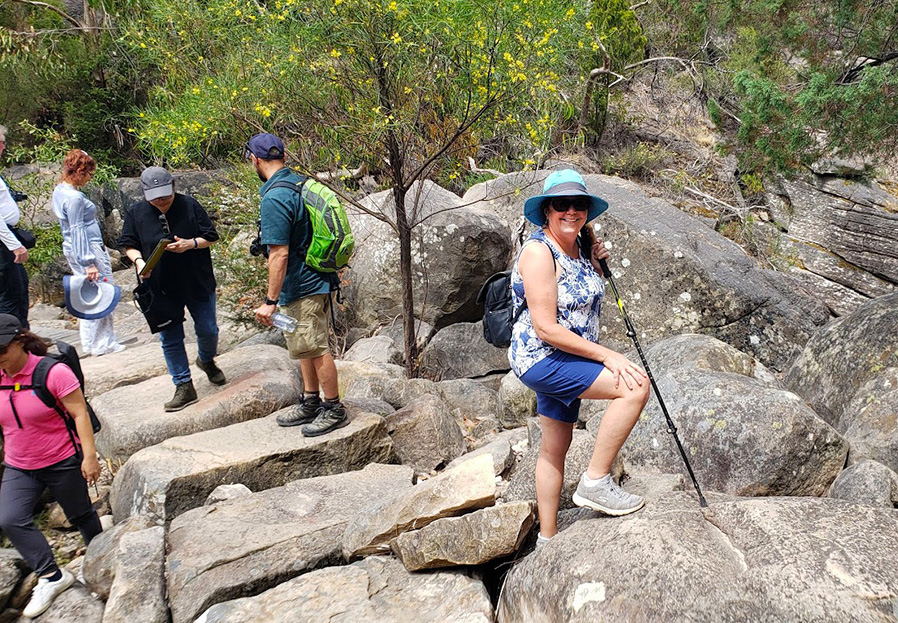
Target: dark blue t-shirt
(284, 222)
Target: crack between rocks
(739, 556)
(739, 318)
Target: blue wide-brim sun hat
(565, 183)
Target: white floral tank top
(580, 293)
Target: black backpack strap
(39, 386)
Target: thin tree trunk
(405, 276)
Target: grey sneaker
(607, 497)
(305, 411)
(216, 376)
(185, 395)
(329, 419)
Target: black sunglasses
(563, 204)
(166, 231)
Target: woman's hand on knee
(622, 368)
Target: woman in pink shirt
(39, 454)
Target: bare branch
(55, 9)
(640, 4)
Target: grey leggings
(20, 494)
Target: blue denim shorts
(558, 380)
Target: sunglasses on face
(563, 204)
(5, 348)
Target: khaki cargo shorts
(310, 338)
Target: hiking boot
(45, 592)
(185, 395)
(304, 412)
(607, 497)
(330, 418)
(216, 376)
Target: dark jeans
(13, 286)
(20, 493)
(206, 327)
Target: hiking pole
(631, 333)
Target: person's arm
(277, 271)
(7, 238)
(77, 408)
(541, 291)
(129, 241)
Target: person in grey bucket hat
(555, 348)
(182, 278)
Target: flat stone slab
(133, 365)
(261, 380)
(170, 478)
(246, 546)
(374, 590)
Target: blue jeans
(206, 327)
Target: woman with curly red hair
(82, 244)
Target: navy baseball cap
(265, 147)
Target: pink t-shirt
(43, 438)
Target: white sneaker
(607, 497)
(45, 592)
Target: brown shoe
(185, 395)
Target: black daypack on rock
(69, 356)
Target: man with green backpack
(307, 234)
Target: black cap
(10, 326)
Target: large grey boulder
(138, 591)
(676, 275)
(467, 487)
(133, 365)
(12, 570)
(869, 420)
(246, 546)
(856, 221)
(845, 355)
(170, 478)
(425, 435)
(261, 380)
(766, 559)
(518, 402)
(472, 539)
(454, 250)
(73, 604)
(374, 590)
(459, 351)
(99, 560)
(867, 482)
(350, 373)
(500, 448)
(741, 435)
(377, 349)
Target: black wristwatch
(269, 301)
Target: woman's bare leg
(556, 439)
(620, 417)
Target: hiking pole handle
(631, 333)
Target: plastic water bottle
(285, 323)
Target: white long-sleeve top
(78, 220)
(9, 217)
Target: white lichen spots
(717, 391)
(676, 310)
(588, 592)
(754, 340)
(608, 245)
(643, 336)
(616, 274)
(685, 297)
(625, 263)
(604, 328)
(810, 436)
(635, 296)
(450, 228)
(678, 255)
(597, 227)
(653, 232)
(655, 443)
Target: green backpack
(332, 241)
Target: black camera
(256, 248)
(17, 196)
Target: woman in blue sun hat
(555, 348)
